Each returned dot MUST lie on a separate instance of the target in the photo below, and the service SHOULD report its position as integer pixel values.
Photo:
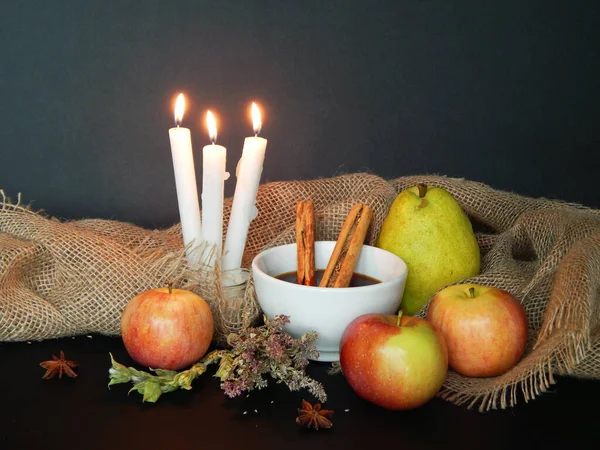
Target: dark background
(506, 93)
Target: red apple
(397, 362)
(485, 328)
(167, 328)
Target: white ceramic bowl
(328, 311)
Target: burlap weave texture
(64, 278)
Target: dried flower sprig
(255, 352)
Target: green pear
(428, 229)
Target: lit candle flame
(179, 109)
(212, 126)
(256, 121)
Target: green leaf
(184, 379)
(225, 367)
(115, 364)
(152, 392)
(138, 375)
(118, 373)
(168, 374)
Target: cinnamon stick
(347, 248)
(305, 243)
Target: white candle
(185, 183)
(213, 185)
(243, 208)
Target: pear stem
(170, 286)
(472, 292)
(422, 190)
(399, 317)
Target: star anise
(314, 416)
(58, 366)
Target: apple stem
(472, 292)
(422, 190)
(399, 317)
(170, 286)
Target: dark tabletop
(83, 413)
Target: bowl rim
(279, 282)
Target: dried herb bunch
(254, 353)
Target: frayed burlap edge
(157, 265)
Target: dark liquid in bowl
(357, 280)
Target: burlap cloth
(64, 278)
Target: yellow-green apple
(397, 362)
(166, 328)
(485, 328)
